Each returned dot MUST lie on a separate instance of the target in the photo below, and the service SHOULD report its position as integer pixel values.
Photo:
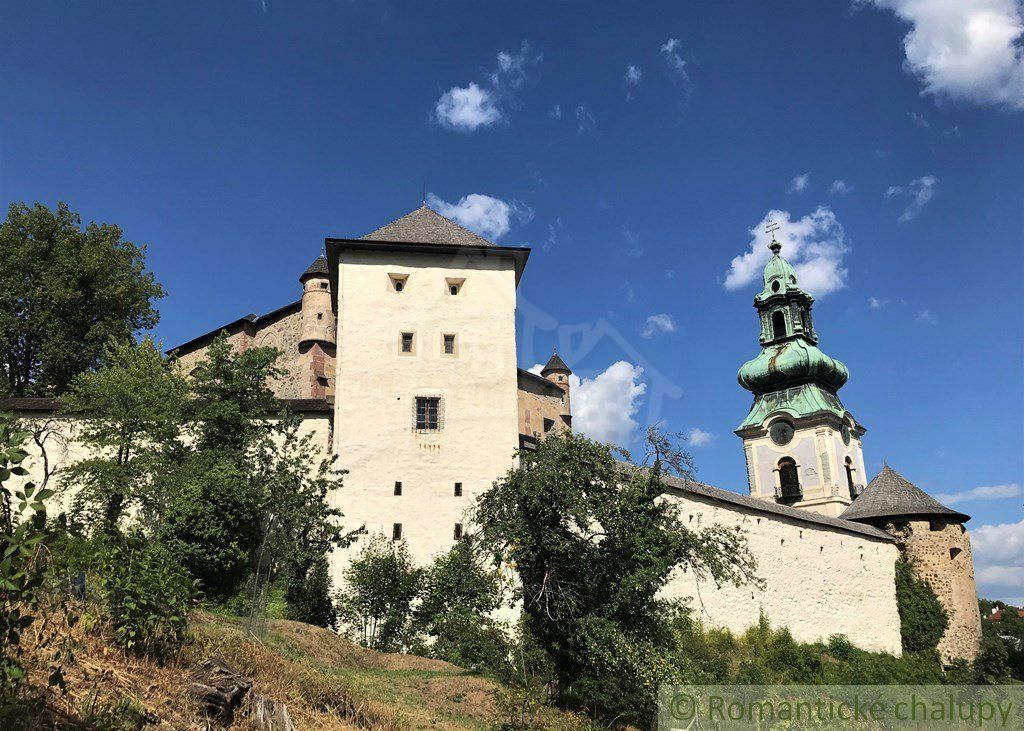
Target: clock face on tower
(781, 432)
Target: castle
(401, 357)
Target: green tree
(922, 617)
(460, 590)
(301, 526)
(132, 410)
(65, 292)
(381, 584)
(592, 542)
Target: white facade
(375, 432)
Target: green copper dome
(790, 375)
(790, 363)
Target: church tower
(803, 448)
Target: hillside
(326, 682)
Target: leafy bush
(308, 597)
(922, 618)
(146, 596)
(375, 607)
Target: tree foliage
(66, 291)
(131, 413)
(922, 617)
(592, 542)
(381, 584)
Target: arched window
(849, 478)
(778, 324)
(790, 480)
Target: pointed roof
(555, 364)
(890, 495)
(319, 268)
(426, 226)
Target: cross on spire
(771, 228)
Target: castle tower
(556, 371)
(803, 448)
(934, 541)
(318, 333)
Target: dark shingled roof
(318, 268)
(426, 226)
(555, 363)
(758, 505)
(890, 495)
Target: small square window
(549, 424)
(407, 342)
(398, 281)
(319, 315)
(323, 285)
(458, 531)
(428, 413)
(458, 489)
(448, 345)
(396, 532)
(398, 488)
(454, 286)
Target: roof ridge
(427, 226)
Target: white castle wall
(819, 580)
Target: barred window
(449, 345)
(406, 342)
(428, 413)
(458, 489)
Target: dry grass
(326, 681)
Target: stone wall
(307, 372)
(819, 580)
(940, 553)
(538, 402)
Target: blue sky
(634, 146)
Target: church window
(458, 531)
(396, 532)
(398, 488)
(789, 479)
(407, 342)
(778, 324)
(458, 489)
(448, 344)
(428, 413)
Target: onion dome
(790, 363)
(891, 495)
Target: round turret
(556, 371)
(318, 322)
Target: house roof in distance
(891, 495)
(427, 226)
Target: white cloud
(556, 112)
(840, 187)
(698, 437)
(482, 214)
(999, 559)
(603, 407)
(676, 64)
(633, 239)
(964, 49)
(919, 121)
(815, 245)
(655, 324)
(633, 75)
(799, 183)
(877, 303)
(920, 191)
(991, 492)
(926, 317)
(586, 123)
(466, 109)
